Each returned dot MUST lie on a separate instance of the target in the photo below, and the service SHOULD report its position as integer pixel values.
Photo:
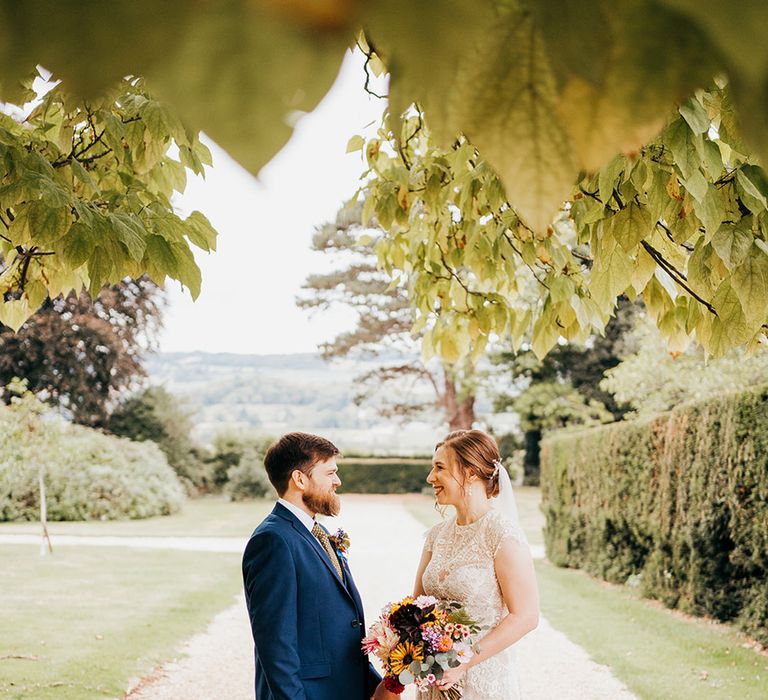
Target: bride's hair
(476, 452)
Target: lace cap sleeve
(500, 529)
(430, 537)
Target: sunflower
(403, 655)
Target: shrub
(382, 475)
(679, 499)
(248, 479)
(88, 475)
(229, 448)
(157, 415)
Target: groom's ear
(299, 479)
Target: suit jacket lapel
(351, 587)
(299, 527)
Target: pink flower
(381, 640)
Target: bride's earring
(469, 492)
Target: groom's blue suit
(307, 623)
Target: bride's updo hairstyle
(475, 452)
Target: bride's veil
(505, 503)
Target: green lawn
(202, 517)
(79, 624)
(659, 655)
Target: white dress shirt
(302, 515)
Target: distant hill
(274, 394)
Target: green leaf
(99, 270)
(78, 245)
(696, 184)
(235, 73)
(36, 293)
(187, 271)
(680, 140)
(14, 313)
(200, 231)
(608, 179)
(720, 333)
(449, 348)
(710, 210)
(503, 97)
(695, 116)
(130, 233)
(545, 334)
(631, 225)
(47, 224)
(747, 178)
(160, 255)
(750, 281)
(356, 143)
(611, 274)
(642, 271)
(732, 244)
(569, 25)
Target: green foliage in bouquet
(678, 499)
(88, 475)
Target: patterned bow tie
(322, 537)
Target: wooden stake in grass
(32, 425)
(43, 514)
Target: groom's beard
(324, 503)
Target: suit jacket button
(355, 623)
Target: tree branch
(676, 275)
(368, 56)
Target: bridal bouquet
(418, 639)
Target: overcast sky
(265, 227)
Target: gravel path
(386, 544)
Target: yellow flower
(396, 606)
(403, 655)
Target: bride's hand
(452, 677)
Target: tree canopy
(682, 223)
(542, 94)
(85, 197)
(543, 88)
(80, 354)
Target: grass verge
(657, 653)
(79, 624)
(201, 517)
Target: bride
(480, 558)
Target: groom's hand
(383, 694)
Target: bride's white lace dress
(462, 569)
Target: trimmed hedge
(382, 475)
(679, 500)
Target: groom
(305, 611)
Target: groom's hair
(294, 451)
